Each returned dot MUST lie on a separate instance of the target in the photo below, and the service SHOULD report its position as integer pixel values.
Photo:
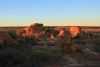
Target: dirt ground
(78, 60)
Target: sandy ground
(78, 60)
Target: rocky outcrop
(34, 30)
(74, 31)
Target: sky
(50, 12)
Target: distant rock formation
(74, 31)
(61, 33)
(20, 31)
(34, 30)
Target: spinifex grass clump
(97, 47)
(26, 56)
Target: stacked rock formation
(34, 30)
(74, 30)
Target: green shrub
(97, 47)
(26, 56)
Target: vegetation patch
(27, 56)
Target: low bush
(97, 47)
(26, 56)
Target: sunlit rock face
(34, 30)
(28, 31)
(74, 30)
(20, 31)
(61, 33)
(52, 36)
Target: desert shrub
(12, 34)
(26, 56)
(45, 56)
(12, 55)
(97, 47)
